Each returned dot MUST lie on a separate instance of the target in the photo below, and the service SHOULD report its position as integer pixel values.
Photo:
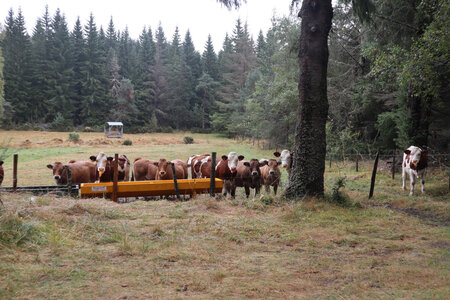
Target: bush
(188, 140)
(60, 123)
(339, 198)
(127, 143)
(74, 137)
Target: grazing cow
(226, 169)
(82, 172)
(270, 174)
(123, 167)
(415, 162)
(105, 170)
(165, 169)
(144, 169)
(249, 176)
(286, 159)
(196, 167)
(2, 173)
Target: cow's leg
(247, 190)
(404, 178)
(275, 187)
(224, 189)
(267, 188)
(257, 190)
(412, 181)
(422, 182)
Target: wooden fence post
(115, 177)
(15, 161)
(213, 175)
(393, 165)
(330, 159)
(356, 162)
(374, 174)
(175, 181)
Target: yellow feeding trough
(149, 188)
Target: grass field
(390, 247)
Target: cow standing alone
(415, 162)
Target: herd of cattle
(231, 168)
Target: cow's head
(286, 158)
(101, 160)
(57, 169)
(273, 166)
(163, 167)
(122, 162)
(414, 155)
(254, 166)
(233, 159)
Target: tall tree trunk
(310, 137)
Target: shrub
(188, 140)
(60, 123)
(127, 143)
(337, 197)
(74, 137)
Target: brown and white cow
(270, 174)
(2, 172)
(105, 169)
(144, 169)
(249, 176)
(286, 159)
(82, 172)
(196, 166)
(226, 169)
(123, 168)
(165, 171)
(415, 162)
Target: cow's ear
(278, 162)
(93, 158)
(241, 157)
(110, 158)
(50, 166)
(407, 152)
(156, 163)
(277, 154)
(224, 157)
(247, 164)
(263, 163)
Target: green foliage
(60, 123)
(14, 232)
(74, 137)
(337, 197)
(127, 143)
(188, 140)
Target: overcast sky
(201, 17)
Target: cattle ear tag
(407, 151)
(277, 154)
(241, 157)
(50, 166)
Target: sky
(200, 17)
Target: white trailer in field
(113, 129)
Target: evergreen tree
(79, 66)
(209, 60)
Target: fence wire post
(115, 178)
(175, 181)
(374, 175)
(356, 162)
(393, 165)
(16, 159)
(213, 175)
(69, 180)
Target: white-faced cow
(286, 159)
(82, 172)
(165, 171)
(226, 169)
(270, 174)
(415, 162)
(104, 167)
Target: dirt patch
(428, 217)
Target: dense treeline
(387, 80)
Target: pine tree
(209, 60)
(79, 66)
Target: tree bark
(307, 176)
